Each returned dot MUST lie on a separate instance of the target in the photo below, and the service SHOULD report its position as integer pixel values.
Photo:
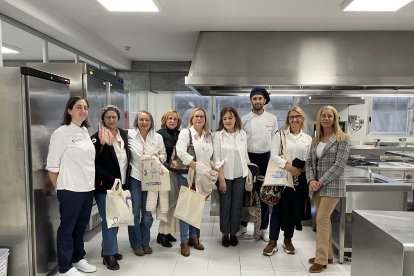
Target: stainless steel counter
(383, 243)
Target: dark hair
(110, 107)
(67, 118)
(149, 115)
(237, 125)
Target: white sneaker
(84, 266)
(73, 272)
(242, 231)
(264, 235)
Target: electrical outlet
(352, 118)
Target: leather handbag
(176, 165)
(118, 206)
(271, 194)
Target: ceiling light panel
(374, 5)
(129, 5)
(8, 49)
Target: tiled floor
(245, 259)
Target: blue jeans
(139, 234)
(109, 239)
(186, 230)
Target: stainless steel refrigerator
(32, 104)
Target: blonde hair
(205, 127)
(165, 116)
(298, 110)
(337, 131)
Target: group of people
(83, 167)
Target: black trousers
(75, 211)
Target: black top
(170, 138)
(106, 163)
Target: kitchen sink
(364, 180)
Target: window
(389, 115)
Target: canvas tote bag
(118, 206)
(155, 176)
(275, 175)
(190, 206)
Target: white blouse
(121, 155)
(203, 146)
(319, 149)
(231, 149)
(296, 145)
(153, 144)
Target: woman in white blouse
(142, 140)
(230, 148)
(286, 215)
(198, 129)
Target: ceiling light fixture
(8, 49)
(129, 5)
(374, 5)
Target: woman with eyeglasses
(286, 215)
(143, 140)
(111, 161)
(71, 168)
(199, 130)
(170, 125)
(325, 167)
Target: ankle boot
(185, 250)
(110, 262)
(196, 243)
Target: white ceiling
(171, 35)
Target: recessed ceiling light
(374, 5)
(129, 5)
(8, 49)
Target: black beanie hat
(261, 91)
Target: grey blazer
(329, 168)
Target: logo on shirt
(93, 140)
(75, 140)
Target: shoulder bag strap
(191, 143)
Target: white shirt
(260, 130)
(203, 146)
(231, 148)
(153, 144)
(296, 145)
(72, 155)
(319, 149)
(121, 155)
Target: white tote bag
(118, 206)
(275, 175)
(155, 176)
(190, 206)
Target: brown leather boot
(316, 268)
(196, 243)
(185, 250)
(312, 260)
(270, 248)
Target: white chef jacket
(154, 143)
(72, 155)
(260, 130)
(203, 146)
(296, 145)
(231, 148)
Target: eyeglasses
(172, 119)
(295, 117)
(111, 117)
(199, 116)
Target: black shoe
(110, 262)
(170, 238)
(233, 240)
(162, 239)
(117, 256)
(225, 241)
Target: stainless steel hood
(304, 63)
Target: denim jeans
(231, 203)
(186, 230)
(139, 233)
(109, 239)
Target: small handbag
(190, 206)
(118, 206)
(176, 165)
(271, 194)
